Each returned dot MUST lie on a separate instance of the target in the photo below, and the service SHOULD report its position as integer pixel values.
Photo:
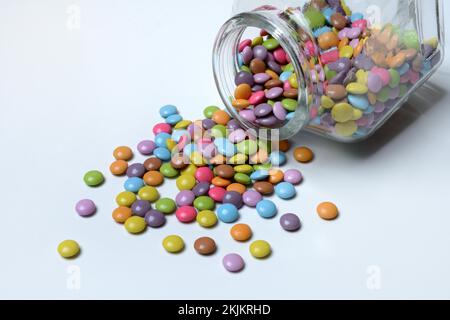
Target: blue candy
(404, 69)
(189, 148)
(266, 209)
(161, 139)
(259, 175)
(328, 12)
(321, 31)
(174, 119)
(290, 116)
(278, 158)
(162, 153)
(358, 101)
(240, 60)
(225, 147)
(285, 75)
(133, 184)
(168, 111)
(369, 110)
(356, 16)
(285, 190)
(227, 213)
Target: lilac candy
(290, 222)
(353, 33)
(279, 112)
(247, 55)
(208, 124)
(293, 176)
(234, 198)
(351, 77)
(260, 52)
(237, 136)
(251, 198)
(244, 77)
(394, 93)
(339, 78)
(257, 87)
(343, 64)
(146, 147)
(185, 198)
(248, 115)
(85, 207)
(233, 124)
(363, 62)
(274, 93)
(263, 110)
(233, 262)
(261, 78)
(274, 67)
(379, 107)
(136, 170)
(374, 82)
(270, 57)
(201, 189)
(140, 207)
(155, 219)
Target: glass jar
(336, 68)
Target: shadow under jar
(336, 68)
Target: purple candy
(234, 198)
(233, 124)
(244, 77)
(146, 147)
(269, 121)
(261, 78)
(379, 107)
(270, 57)
(140, 207)
(293, 176)
(339, 78)
(257, 87)
(251, 198)
(263, 110)
(136, 170)
(274, 67)
(351, 77)
(427, 51)
(274, 93)
(260, 52)
(233, 262)
(290, 222)
(185, 198)
(343, 64)
(201, 189)
(208, 124)
(353, 33)
(363, 62)
(279, 112)
(248, 115)
(247, 55)
(327, 120)
(85, 207)
(374, 82)
(155, 219)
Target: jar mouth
(226, 66)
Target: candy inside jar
(336, 68)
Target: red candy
(217, 193)
(204, 174)
(186, 214)
(162, 127)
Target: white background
(69, 95)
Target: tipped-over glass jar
(337, 68)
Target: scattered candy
(241, 232)
(123, 153)
(173, 244)
(135, 225)
(233, 262)
(93, 178)
(85, 207)
(327, 211)
(290, 222)
(205, 246)
(260, 249)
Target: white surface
(69, 96)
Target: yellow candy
(293, 81)
(186, 182)
(173, 244)
(346, 129)
(135, 224)
(362, 76)
(244, 168)
(347, 10)
(197, 159)
(183, 124)
(238, 159)
(148, 193)
(189, 170)
(357, 114)
(342, 112)
(68, 249)
(125, 199)
(346, 52)
(326, 102)
(357, 88)
(260, 249)
(433, 42)
(171, 144)
(207, 219)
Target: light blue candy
(426, 67)
(358, 101)
(369, 110)
(284, 76)
(189, 148)
(227, 213)
(174, 119)
(290, 116)
(356, 16)
(321, 31)
(177, 134)
(266, 209)
(259, 175)
(278, 158)
(240, 60)
(225, 147)
(403, 69)
(168, 111)
(161, 139)
(285, 190)
(328, 12)
(162, 153)
(133, 184)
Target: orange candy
(241, 232)
(275, 176)
(220, 182)
(123, 153)
(327, 211)
(243, 91)
(303, 154)
(121, 214)
(221, 117)
(118, 167)
(284, 145)
(153, 178)
(238, 187)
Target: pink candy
(237, 136)
(280, 56)
(204, 174)
(362, 24)
(383, 74)
(186, 214)
(244, 44)
(217, 193)
(413, 76)
(184, 140)
(162, 127)
(257, 98)
(330, 56)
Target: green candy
(383, 95)
(265, 166)
(410, 39)
(94, 178)
(257, 41)
(219, 131)
(166, 205)
(289, 68)
(204, 203)
(395, 78)
(265, 145)
(242, 178)
(271, 102)
(329, 74)
(168, 171)
(315, 18)
(246, 69)
(403, 90)
(247, 147)
(289, 104)
(271, 44)
(209, 111)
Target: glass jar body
(352, 64)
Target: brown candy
(336, 92)
(152, 164)
(319, 4)
(179, 161)
(257, 66)
(263, 187)
(205, 246)
(224, 171)
(303, 154)
(339, 21)
(328, 40)
(290, 93)
(273, 84)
